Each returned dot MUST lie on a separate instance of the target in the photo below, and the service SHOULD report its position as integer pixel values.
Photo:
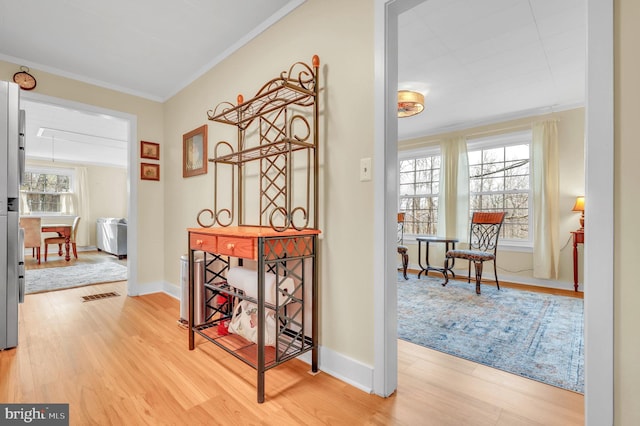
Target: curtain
(68, 203)
(82, 206)
(24, 204)
(453, 197)
(545, 169)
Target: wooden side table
(578, 238)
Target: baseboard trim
(343, 368)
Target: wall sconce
(579, 207)
(409, 103)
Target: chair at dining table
(32, 234)
(60, 240)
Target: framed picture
(149, 171)
(149, 150)
(194, 152)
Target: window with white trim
(500, 180)
(418, 191)
(47, 191)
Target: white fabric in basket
(247, 280)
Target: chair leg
(75, 253)
(495, 272)
(59, 249)
(478, 268)
(46, 250)
(38, 253)
(469, 273)
(445, 272)
(405, 264)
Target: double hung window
(47, 191)
(418, 191)
(500, 180)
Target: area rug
(534, 335)
(48, 279)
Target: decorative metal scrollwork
(288, 219)
(215, 218)
(283, 117)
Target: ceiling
(487, 61)
(476, 61)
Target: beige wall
(517, 266)
(149, 117)
(627, 205)
(107, 188)
(334, 30)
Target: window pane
(418, 194)
(499, 180)
(43, 189)
(517, 152)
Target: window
(418, 192)
(500, 180)
(46, 191)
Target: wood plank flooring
(125, 361)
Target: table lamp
(579, 207)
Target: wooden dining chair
(61, 240)
(402, 249)
(32, 234)
(483, 245)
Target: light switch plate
(365, 169)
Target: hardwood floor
(125, 360)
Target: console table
(578, 238)
(449, 244)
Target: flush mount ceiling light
(409, 103)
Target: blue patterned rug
(535, 335)
(48, 279)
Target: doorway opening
(599, 189)
(104, 146)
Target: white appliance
(12, 154)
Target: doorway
(128, 133)
(599, 189)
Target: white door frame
(132, 177)
(598, 253)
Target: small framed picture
(149, 171)
(149, 150)
(194, 152)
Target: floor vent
(99, 296)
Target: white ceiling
(476, 61)
(486, 61)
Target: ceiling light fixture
(409, 103)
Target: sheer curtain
(82, 206)
(453, 197)
(544, 158)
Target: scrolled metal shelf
(263, 151)
(275, 94)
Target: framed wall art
(149, 171)
(194, 152)
(149, 150)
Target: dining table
(63, 231)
